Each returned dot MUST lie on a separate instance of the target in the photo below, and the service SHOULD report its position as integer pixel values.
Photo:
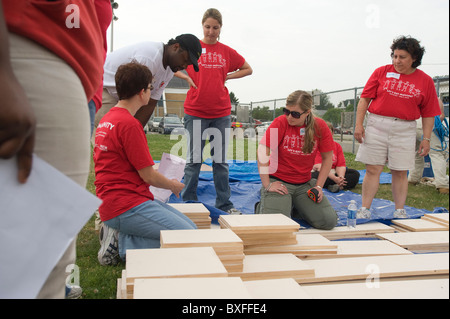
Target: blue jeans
(218, 130)
(140, 226)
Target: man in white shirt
(163, 60)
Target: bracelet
(268, 187)
(427, 139)
(320, 187)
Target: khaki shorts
(388, 141)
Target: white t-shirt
(147, 53)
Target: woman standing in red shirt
(208, 110)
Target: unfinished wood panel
(190, 288)
(173, 262)
(197, 212)
(361, 248)
(354, 268)
(258, 223)
(420, 242)
(402, 289)
(442, 218)
(286, 288)
(419, 225)
(342, 232)
(273, 266)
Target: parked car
(171, 124)
(261, 129)
(153, 124)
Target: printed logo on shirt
(212, 60)
(294, 144)
(401, 89)
(106, 125)
(162, 84)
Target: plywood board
(438, 217)
(402, 289)
(354, 268)
(361, 230)
(191, 209)
(258, 223)
(200, 237)
(361, 248)
(190, 288)
(431, 241)
(173, 262)
(273, 266)
(419, 225)
(286, 288)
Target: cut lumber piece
(442, 218)
(306, 244)
(190, 288)
(361, 248)
(355, 268)
(402, 289)
(419, 224)
(342, 232)
(420, 242)
(197, 212)
(227, 245)
(173, 262)
(258, 223)
(286, 288)
(273, 266)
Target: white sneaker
(363, 213)
(108, 253)
(234, 211)
(400, 213)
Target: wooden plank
(419, 224)
(190, 288)
(258, 223)
(361, 248)
(286, 288)
(343, 269)
(201, 237)
(173, 262)
(432, 241)
(273, 266)
(342, 232)
(401, 289)
(439, 218)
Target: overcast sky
(297, 44)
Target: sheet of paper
(172, 167)
(38, 220)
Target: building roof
(177, 83)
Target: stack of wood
(227, 245)
(197, 212)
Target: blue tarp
(245, 186)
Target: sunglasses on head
(294, 114)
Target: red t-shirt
(120, 150)
(338, 157)
(211, 98)
(406, 97)
(70, 29)
(287, 160)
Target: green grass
(99, 282)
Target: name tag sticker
(302, 131)
(393, 75)
(203, 50)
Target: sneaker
(334, 188)
(363, 213)
(73, 292)
(108, 253)
(400, 213)
(234, 211)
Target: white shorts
(388, 141)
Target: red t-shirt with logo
(407, 97)
(120, 150)
(211, 98)
(287, 160)
(338, 157)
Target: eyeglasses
(295, 115)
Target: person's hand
(359, 133)
(278, 187)
(424, 148)
(177, 187)
(17, 125)
(191, 82)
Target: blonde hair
(304, 100)
(212, 13)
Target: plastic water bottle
(351, 214)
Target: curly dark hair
(412, 46)
(131, 78)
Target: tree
(233, 98)
(325, 103)
(334, 116)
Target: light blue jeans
(218, 130)
(140, 226)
